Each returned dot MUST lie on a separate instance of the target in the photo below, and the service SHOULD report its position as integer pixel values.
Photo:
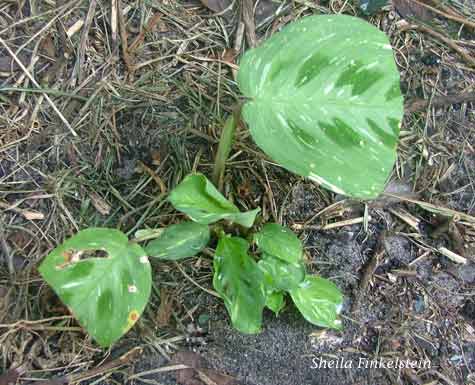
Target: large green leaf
(179, 241)
(279, 241)
(239, 282)
(281, 275)
(319, 301)
(325, 102)
(198, 198)
(106, 293)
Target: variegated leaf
(106, 294)
(325, 102)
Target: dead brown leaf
(99, 203)
(47, 47)
(410, 9)
(187, 376)
(165, 309)
(10, 377)
(217, 5)
(212, 377)
(198, 374)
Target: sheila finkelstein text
(367, 363)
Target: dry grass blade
(33, 80)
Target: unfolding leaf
(179, 241)
(280, 242)
(324, 101)
(239, 282)
(281, 275)
(107, 294)
(319, 301)
(275, 301)
(202, 202)
(372, 6)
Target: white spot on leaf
(325, 183)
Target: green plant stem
(224, 148)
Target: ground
(140, 119)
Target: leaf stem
(224, 148)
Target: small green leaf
(239, 282)
(319, 301)
(107, 294)
(198, 198)
(279, 242)
(280, 275)
(179, 241)
(275, 301)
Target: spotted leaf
(103, 279)
(179, 241)
(324, 101)
(319, 301)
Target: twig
(453, 17)
(141, 36)
(77, 72)
(348, 222)
(123, 37)
(163, 369)
(461, 51)
(415, 105)
(114, 10)
(125, 359)
(27, 73)
(452, 256)
(248, 19)
(212, 292)
(368, 271)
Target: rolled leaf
(275, 301)
(239, 282)
(324, 101)
(179, 241)
(106, 293)
(319, 301)
(203, 203)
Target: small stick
(123, 38)
(159, 370)
(77, 73)
(330, 226)
(461, 20)
(452, 256)
(114, 10)
(27, 73)
(248, 18)
(209, 291)
(461, 51)
(415, 105)
(107, 367)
